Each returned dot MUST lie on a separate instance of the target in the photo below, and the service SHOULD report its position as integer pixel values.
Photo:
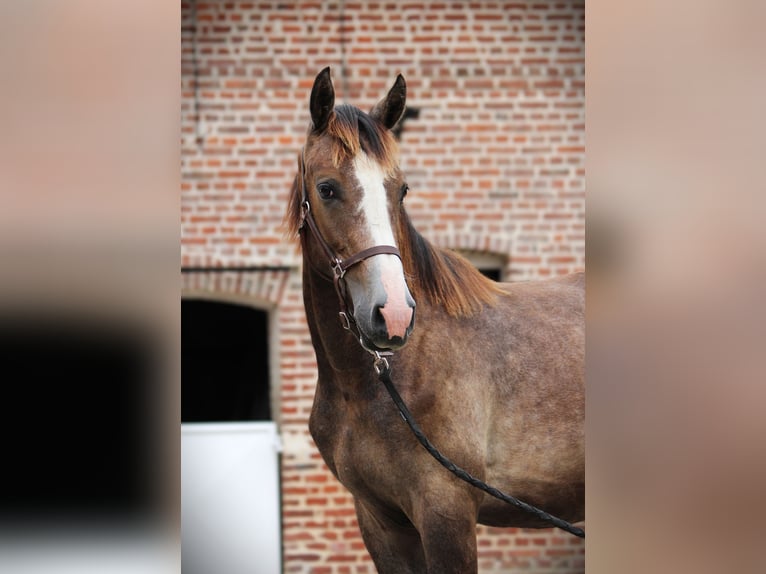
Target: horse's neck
(335, 347)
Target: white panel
(230, 498)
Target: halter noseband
(338, 266)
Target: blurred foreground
(89, 261)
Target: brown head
(355, 190)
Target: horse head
(354, 189)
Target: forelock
(353, 130)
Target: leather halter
(338, 266)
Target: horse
(493, 372)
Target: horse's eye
(325, 191)
(405, 189)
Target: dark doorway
(224, 362)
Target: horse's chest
(352, 444)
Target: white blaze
(374, 209)
(374, 204)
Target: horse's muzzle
(391, 326)
(384, 309)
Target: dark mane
(442, 277)
(353, 130)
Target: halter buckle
(344, 320)
(337, 268)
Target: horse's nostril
(396, 320)
(378, 318)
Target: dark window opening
(224, 362)
(493, 274)
(488, 264)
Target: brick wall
(495, 164)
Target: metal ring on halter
(305, 209)
(380, 364)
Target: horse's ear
(322, 100)
(390, 109)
